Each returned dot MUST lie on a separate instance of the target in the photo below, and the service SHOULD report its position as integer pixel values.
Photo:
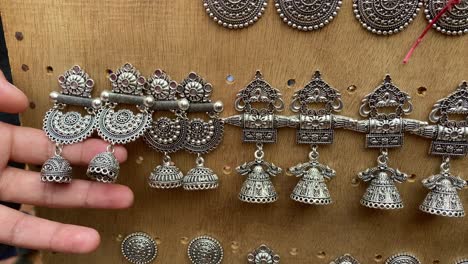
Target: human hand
(28, 145)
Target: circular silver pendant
(167, 135)
(122, 126)
(205, 250)
(307, 14)
(402, 259)
(139, 248)
(235, 14)
(69, 127)
(453, 22)
(386, 16)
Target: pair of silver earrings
(195, 135)
(380, 17)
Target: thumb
(12, 100)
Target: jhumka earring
(453, 22)
(70, 127)
(235, 14)
(259, 126)
(315, 127)
(121, 126)
(306, 16)
(386, 17)
(202, 136)
(449, 140)
(385, 130)
(166, 135)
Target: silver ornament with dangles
(382, 192)
(263, 254)
(104, 167)
(258, 188)
(165, 176)
(56, 169)
(312, 188)
(200, 178)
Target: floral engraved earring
(65, 128)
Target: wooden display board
(179, 37)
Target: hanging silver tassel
(166, 176)
(104, 167)
(200, 177)
(57, 169)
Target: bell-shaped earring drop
(383, 131)
(166, 135)
(202, 136)
(259, 126)
(64, 128)
(120, 126)
(449, 140)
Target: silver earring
(205, 250)
(383, 131)
(166, 135)
(202, 136)
(345, 259)
(121, 126)
(307, 16)
(314, 127)
(386, 17)
(139, 248)
(454, 22)
(449, 140)
(402, 258)
(235, 14)
(263, 254)
(70, 127)
(259, 126)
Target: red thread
(446, 8)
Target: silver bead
(148, 101)
(218, 106)
(139, 248)
(105, 96)
(205, 250)
(56, 169)
(104, 167)
(53, 96)
(97, 103)
(402, 258)
(183, 104)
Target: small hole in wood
(230, 79)
(436, 261)
(227, 169)
(235, 245)
(321, 255)
(119, 238)
(32, 105)
(25, 67)
(184, 240)
(139, 160)
(19, 36)
(378, 257)
(351, 88)
(412, 178)
(291, 83)
(293, 252)
(157, 240)
(355, 181)
(109, 72)
(50, 69)
(422, 91)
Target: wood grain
(179, 37)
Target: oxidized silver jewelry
(202, 136)
(166, 135)
(403, 258)
(314, 127)
(449, 139)
(307, 15)
(205, 250)
(345, 259)
(462, 261)
(259, 126)
(139, 248)
(263, 254)
(121, 126)
(70, 127)
(453, 22)
(235, 14)
(385, 17)
(385, 130)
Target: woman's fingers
(27, 231)
(22, 186)
(12, 100)
(29, 145)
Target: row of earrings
(379, 16)
(158, 93)
(315, 126)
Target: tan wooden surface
(179, 37)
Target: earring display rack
(179, 37)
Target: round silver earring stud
(263, 254)
(307, 15)
(453, 22)
(345, 259)
(386, 17)
(235, 14)
(205, 250)
(462, 261)
(403, 258)
(139, 248)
